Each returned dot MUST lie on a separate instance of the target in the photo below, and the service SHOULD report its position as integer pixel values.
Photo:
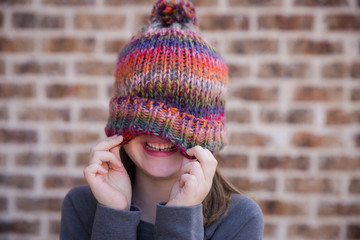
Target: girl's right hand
(107, 176)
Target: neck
(148, 192)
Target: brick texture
(283, 208)
(279, 22)
(95, 21)
(69, 45)
(8, 44)
(314, 47)
(292, 106)
(224, 22)
(28, 20)
(311, 232)
(33, 67)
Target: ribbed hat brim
(133, 116)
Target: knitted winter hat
(170, 82)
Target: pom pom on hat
(168, 12)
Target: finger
(115, 151)
(214, 162)
(206, 159)
(196, 151)
(186, 161)
(108, 143)
(91, 171)
(210, 154)
(193, 168)
(101, 157)
(187, 180)
(211, 163)
(200, 154)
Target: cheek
(179, 158)
(130, 151)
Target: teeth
(160, 147)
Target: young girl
(155, 175)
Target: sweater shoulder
(80, 201)
(77, 214)
(243, 212)
(244, 205)
(81, 192)
(81, 198)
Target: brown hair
(216, 202)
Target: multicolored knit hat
(170, 82)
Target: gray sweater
(84, 218)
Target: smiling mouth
(161, 147)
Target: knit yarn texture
(170, 82)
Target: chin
(161, 170)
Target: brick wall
(293, 106)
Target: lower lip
(154, 153)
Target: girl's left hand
(195, 178)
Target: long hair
(216, 202)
